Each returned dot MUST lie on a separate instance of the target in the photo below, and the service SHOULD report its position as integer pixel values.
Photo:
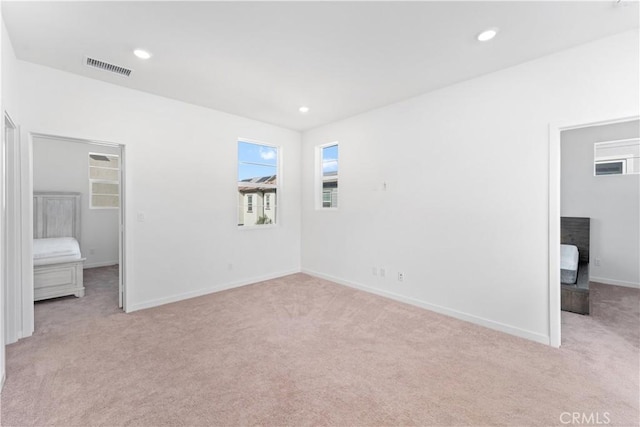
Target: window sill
(257, 227)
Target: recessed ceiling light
(142, 54)
(303, 109)
(487, 34)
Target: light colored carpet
(303, 351)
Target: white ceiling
(263, 60)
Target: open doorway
(78, 240)
(597, 268)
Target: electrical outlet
(374, 271)
(230, 266)
(383, 273)
(92, 251)
(597, 262)
(400, 277)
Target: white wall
(11, 321)
(2, 218)
(611, 201)
(471, 162)
(180, 169)
(60, 165)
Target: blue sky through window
(329, 159)
(256, 160)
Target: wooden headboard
(576, 231)
(56, 214)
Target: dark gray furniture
(574, 297)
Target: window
(326, 199)
(104, 181)
(328, 176)
(257, 183)
(616, 167)
(617, 157)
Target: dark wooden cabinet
(574, 299)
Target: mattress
(569, 257)
(56, 250)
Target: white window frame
(104, 181)
(619, 158)
(249, 203)
(278, 186)
(319, 190)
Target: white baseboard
(487, 323)
(607, 281)
(205, 291)
(99, 264)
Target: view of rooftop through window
(257, 183)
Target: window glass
(610, 168)
(257, 183)
(104, 181)
(329, 178)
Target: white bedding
(568, 257)
(56, 250)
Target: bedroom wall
(182, 237)
(2, 217)
(465, 211)
(612, 202)
(63, 166)
(11, 319)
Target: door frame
(555, 131)
(12, 231)
(28, 218)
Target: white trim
(258, 226)
(633, 141)
(555, 130)
(555, 318)
(614, 282)
(123, 257)
(208, 290)
(28, 324)
(100, 264)
(12, 229)
(72, 139)
(497, 326)
(8, 118)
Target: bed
(57, 259)
(574, 264)
(569, 261)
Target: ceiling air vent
(101, 65)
